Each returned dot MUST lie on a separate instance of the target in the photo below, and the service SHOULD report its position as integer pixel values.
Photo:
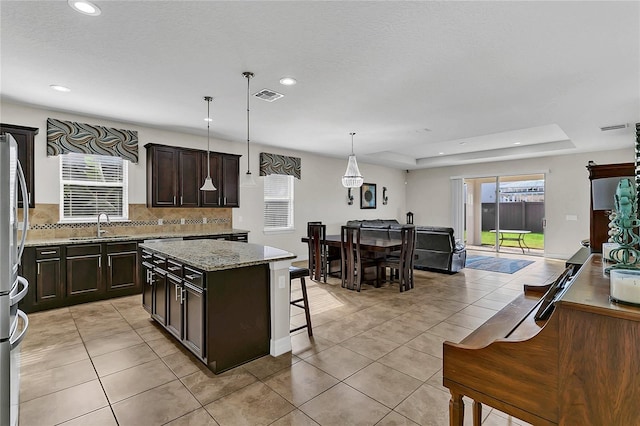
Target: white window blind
(278, 203)
(90, 184)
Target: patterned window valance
(67, 136)
(274, 164)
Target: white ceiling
(422, 84)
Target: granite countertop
(216, 255)
(125, 238)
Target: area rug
(495, 264)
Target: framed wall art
(368, 196)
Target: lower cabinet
(194, 303)
(122, 266)
(174, 305)
(175, 296)
(66, 275)
(159, 304)
(147, 278)
(84, 270)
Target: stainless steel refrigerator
(13, 322)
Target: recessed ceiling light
(516, 143)
(288, 81)
(208, 119)
(85, 7)
(59, 88)
(441, 153)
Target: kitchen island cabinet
(231, 304)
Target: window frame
(291, 201)
(124, 184)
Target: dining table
(369, 246)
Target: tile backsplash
(43, 222)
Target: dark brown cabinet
(193, 301)
(48, 283)
(174, 305)
(189, 178)
(147, 279)
(230, 180)
(177, 300)
(599, 230)
(70, 274)
(175, 175)
(25, 138)
(84, 270)
(162, 182)
(122, 266)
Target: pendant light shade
(352, 177)
(247, 179)
(208, 183)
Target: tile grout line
(94, 368)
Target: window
(90, 184)
(278, 203)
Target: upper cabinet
(175, 175)
(25, 137)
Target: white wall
(319, 195)
(566, 193)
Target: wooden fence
(519, 215)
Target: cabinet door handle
(182, 296)
(174, 268)
(174, 200)
(109, 261)
(191, 277)
(42, 253)
(99, 263)
(177, 290)
(225, 201)
(38, 268)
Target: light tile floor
(375, 358)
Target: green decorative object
(623, 224)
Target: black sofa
(436, 247)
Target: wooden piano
(579, 367)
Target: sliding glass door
(505, 213)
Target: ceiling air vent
(268, 95)
(614, 127)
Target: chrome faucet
(101, 231)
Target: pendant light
(208, 183)
(247, 180)
(352, 177)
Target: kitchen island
(227, 302)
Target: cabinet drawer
(193, 277)
(174, 268)
(159, 261)
(83, 250)
(121, 247)
(146, 256)
(47, 253)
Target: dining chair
(353, 262)
(404, 262)
(320, 256)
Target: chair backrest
(316, 232)
(408, 233)
(350, 253)
(407, 254)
